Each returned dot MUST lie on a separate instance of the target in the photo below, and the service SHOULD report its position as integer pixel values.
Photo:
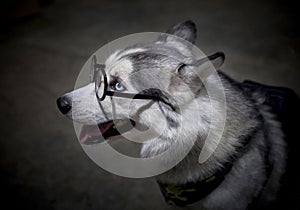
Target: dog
(246, 166)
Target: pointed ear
(185, 30)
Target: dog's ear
(185, 30)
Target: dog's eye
(116, 85)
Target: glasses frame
(95, 77)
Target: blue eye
(117, 86)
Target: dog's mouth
(94, 134)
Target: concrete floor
(42, 164)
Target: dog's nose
(64, 104)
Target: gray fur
(156, 65)
(185, 30)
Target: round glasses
(98, 75)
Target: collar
(189, 193)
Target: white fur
(194, 118)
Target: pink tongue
(93, 130)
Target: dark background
(42, 51)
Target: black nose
(64, 104)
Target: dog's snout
(64, 104)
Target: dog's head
(165, 70)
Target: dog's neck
(196, 130)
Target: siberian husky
(245, 169)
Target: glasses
(98, 75)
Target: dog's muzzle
(93, 134)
